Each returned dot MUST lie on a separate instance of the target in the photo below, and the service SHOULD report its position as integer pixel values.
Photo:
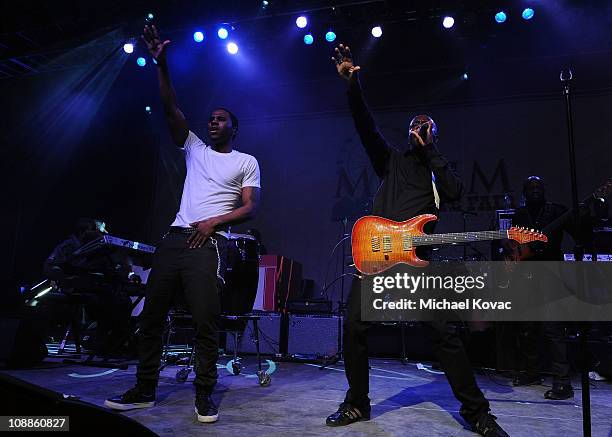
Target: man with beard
(414, 181)
(221, 188)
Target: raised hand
(154, 45)
(344, 63)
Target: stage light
(308, 39)
(465, 76)
(448, 22)
(528, 13)
(500, 17)
(377, 32)
(198, 36)
(301, 22)
(148, 109)
(150, 17)
(330, 36)
(30, 294)
(265, 4)
(141, 61)
(128, 48)
(43, 292)
(232, 48)
(222, 33)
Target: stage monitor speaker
(269, 336)
(313, 335)
(21, 345)
(21, 398)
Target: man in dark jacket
(413, 182)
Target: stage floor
(409, 399)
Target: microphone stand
(341, 305)
(566, 80)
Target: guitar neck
(455, 238)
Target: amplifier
(269, 336)
(310, 306)
(313, 335)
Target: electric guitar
(379, 243)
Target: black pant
(446, 345)
(195, 273)
(553, 332)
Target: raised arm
(174, 116)
(374, 143)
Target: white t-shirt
(214, 181)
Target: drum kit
(242, 275)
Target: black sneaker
(487, 426)
(560, 392)
(135, 397)
(526, 379)
(346, 415)
(205, 408)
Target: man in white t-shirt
(221, 188)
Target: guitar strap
(435, 191)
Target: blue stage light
(198, 36)
(308, 39)
(148, 109)
(141, 61)
(330, 36)
(465, 76)
(528, 13)
(222, 33)
(232, 48)
(377, 32)
(448, 22)
(150, 17)
(500, 17)
(301, 22)
(128, 48)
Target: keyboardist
(110, 310)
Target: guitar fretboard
(460, 237)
